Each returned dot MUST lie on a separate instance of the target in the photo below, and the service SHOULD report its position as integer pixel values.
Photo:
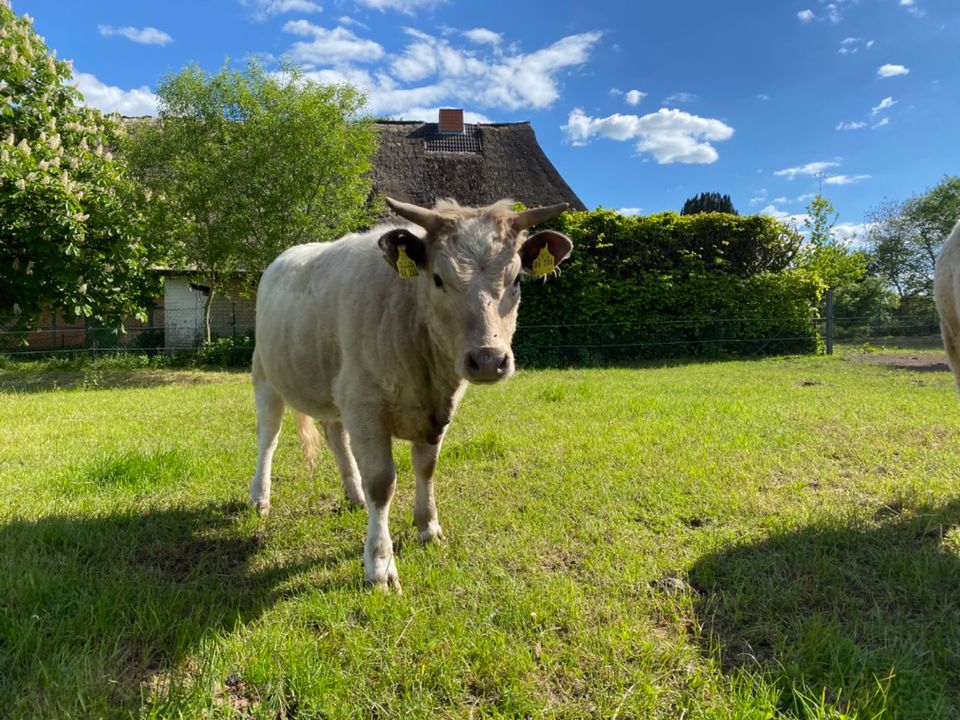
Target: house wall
(183, 311)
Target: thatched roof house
(473, 164)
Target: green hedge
(668, 285)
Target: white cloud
(483, 36)
(783, 216)
(139, 101)
(424, 114)
(763, 97)
(881, 123)
(853, 125)
(845, 179)
(806, 196)
(634, 97)
(811, 169)
(888, 71)
(404, 6)
(671, 136)
(432, 72)
(263, 9)
(848, 232)
(630, 211)
(680, 98)
(852, 45)
(913, 8)
(330, 46)
(530, 80)
(806, 16)
(885, 104)
(759, 197)
(143, 36)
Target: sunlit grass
(744, 539)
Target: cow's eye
(437, 281)
(516, 280)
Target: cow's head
(467, 270)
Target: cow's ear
(404, 251)
(533, 255)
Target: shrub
(668, 285)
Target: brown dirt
(918, 362)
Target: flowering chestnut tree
(69, 231)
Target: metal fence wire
(560, 343)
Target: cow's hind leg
(269, 419)
(372, 448)
(424, 457)
(951, 343)
(339, 443)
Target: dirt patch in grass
(918, 362)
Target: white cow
(946, 292)
(377, 350)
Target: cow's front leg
(371, 445)
(424, 456)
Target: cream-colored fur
(342, 338)
(946, 291)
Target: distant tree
(933, 215)
(240, 165)
(896, 257)
(709, 202)
(905, 239)
(823, 254)
(69, 232)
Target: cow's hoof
(432, 533)
(384, 578)
(261, 506)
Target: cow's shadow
(117, 599)
(863, 617)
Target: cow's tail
(309, 438)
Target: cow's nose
(487, 364)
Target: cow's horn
(529, 218)
(427, 219)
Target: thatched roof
(486, 163)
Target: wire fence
(559, 343)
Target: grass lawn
(744, 539)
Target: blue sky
(639, 105)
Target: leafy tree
(905, 239)
(933, 215)
(895, 256)
(69, 238)
(708, 202)
(823, 254)
(241, 165)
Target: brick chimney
(451, 121)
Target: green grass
(749, 539)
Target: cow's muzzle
(487, 365)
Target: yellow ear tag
(543, 264)
(406, 267)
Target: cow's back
(322, 307)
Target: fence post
(830, 321)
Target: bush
(227, 352)
(667, 285)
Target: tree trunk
(207, 307)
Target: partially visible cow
(946, 292)
(377, 350)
